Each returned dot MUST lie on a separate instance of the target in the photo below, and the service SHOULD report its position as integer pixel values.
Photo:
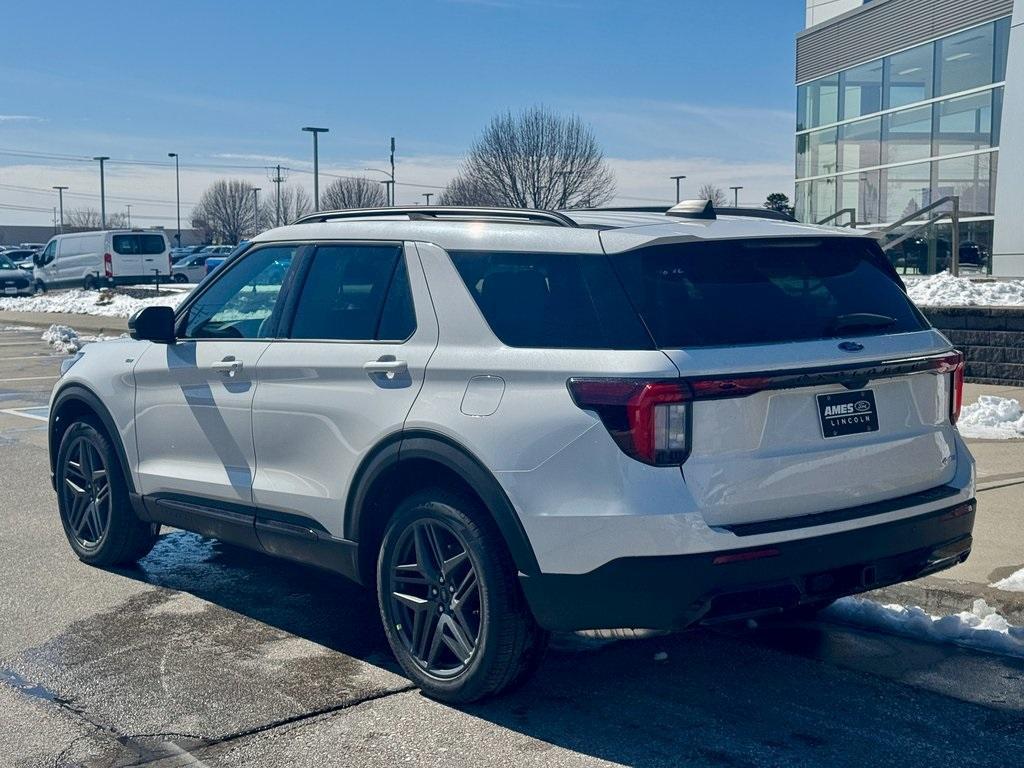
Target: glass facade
(888, 137)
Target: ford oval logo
(851, 346)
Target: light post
(177, 194)
(428, 195)
(678, 192)
(103, 193)
(256, 209)
(316, 164)
(129, 207)
(392, 170)
(736, 196)
(389, 185)
(60, 197)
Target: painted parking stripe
(39, 413)
(31, 378)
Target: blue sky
(695, 87)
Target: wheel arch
(75, 400)
(406, 461)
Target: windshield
(729, 292)
(6, 263)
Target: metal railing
(851, 212)
(953, 216)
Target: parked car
(974, 255)
(508, 422)
(14, 281)
(22, 257)
(215, 260)
(189, 269)
(111, 257)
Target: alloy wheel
(434, 598)
(86, 493)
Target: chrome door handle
(386, 364)
(228, 365)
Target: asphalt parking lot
(209, 655)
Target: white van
(111, 257)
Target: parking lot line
(31, 378)
(39, 413)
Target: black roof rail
(445, 212)
(754, 213)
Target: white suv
(512, 422)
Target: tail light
(108, 265)
(956, 401)
(649, 420)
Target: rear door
(126, 254)
(345, 377)
(804, 358)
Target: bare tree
(353, 192)
(295, 202)
(536, 159)
(714, 193)
(85, 219)
(225, 211)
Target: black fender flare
(433, 446)
(87, 397)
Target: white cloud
(21, 119)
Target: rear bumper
(672, 592)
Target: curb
(110, 326)
(944, 597)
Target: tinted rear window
(763, 291)
(146, 245)
(552, 300)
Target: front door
(193, 407)
(345, 378)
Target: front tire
(452, 608)
(92, 497)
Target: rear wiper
(859, 320)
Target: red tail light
(108, 265)
(957, 394)
(649, 420)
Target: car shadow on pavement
(776, 697)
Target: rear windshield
(765, 291)
(551, 300)
(146, 245)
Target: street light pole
(177, 194)
(256, 209)
(678, 193)
(392, 170)
(428, 195)
(60, 197)
(316, 164)
(736, 196)
(103, 193)
(129, 207)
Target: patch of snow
(992, 418)
(944, 290)
(1012, 583)
(65, 339)
(103, 303)
(981, 628)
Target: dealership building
(901, 103)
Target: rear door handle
(387, 365)
(229, 365)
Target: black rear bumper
(676, 591)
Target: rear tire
(98, 519)
(450, 601)
(89, 283)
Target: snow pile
(82, 302)
(981, 627)
(1012, 583)
(944, 290)
(68, 341)
(993, 418)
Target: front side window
(355, 293)
(241, 303)
(139, 245)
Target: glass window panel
(907, 189)
(822, 200)
(971, 179)
(910, 76)
(820, 152)
(860, 144)
(860, 191)
(1002, 48)
(819, 103)
(862, 90)
(908, 135)
(802, 203)
(964, 124)
(966, 60)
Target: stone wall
(992, 338)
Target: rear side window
(355, 293)
(765, 291)
(144, 245)
(551, 300)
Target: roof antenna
(693, 209)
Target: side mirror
(153, 324)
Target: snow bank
(981, 627)
(82, 302)
(944, 290)
(1012, 583)
(993, 418)
(67, 340)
